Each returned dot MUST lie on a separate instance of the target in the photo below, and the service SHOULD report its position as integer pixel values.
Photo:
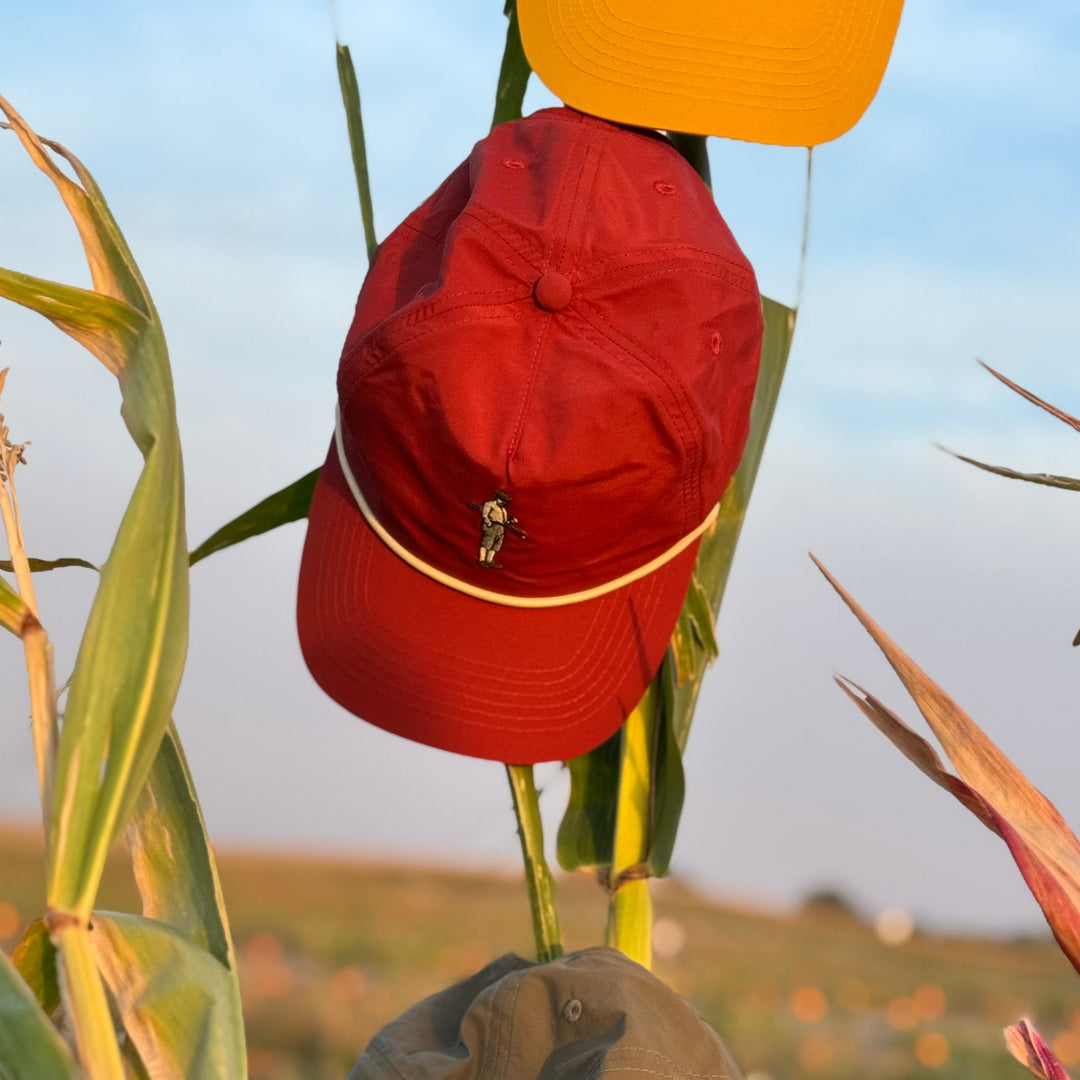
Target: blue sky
(945, 227)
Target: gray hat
(587, 1015)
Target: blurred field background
(332, 949)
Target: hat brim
(788, 72)
(434, 665)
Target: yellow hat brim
(788, 72)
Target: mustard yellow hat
(789, 72)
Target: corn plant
(87, 993)
(986, 782)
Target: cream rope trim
(486, 594)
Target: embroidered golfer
(495, 519)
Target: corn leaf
(30, 1047)
(1041, 842)
(668, 780)
(1049, 479)
(513, 73)
(917, 750)
(132, 653)
(350, 96)
(175, 1000)
(171, 856)
(1027, 395)
(289, 504)
(587, 832)
(38, 566)
(717, 550)
(14, 614)
(35, 960)
(1027, 1046)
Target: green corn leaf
(107, 327)
(38, 566)
(289, 504)
(587, 831)
(171, 856)
(668, 782)
(350, 95)
(35, 960)
(514, 72)
(13, 611)
(132, 653)
(175, 1000)
(30, 1047)
(717, 549)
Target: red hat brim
(434, 665)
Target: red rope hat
(544, 392)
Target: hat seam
(415, 329)
(575, 221)
(506, 1018)
(376, 1046)
(603, 1070)
(709, 263)
(477, 215)
(526, 397)
(555, 259)
(683, 424)
(620, 1049)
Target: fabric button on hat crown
(534, 429)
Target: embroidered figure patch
(495, 520)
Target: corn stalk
(108, 767)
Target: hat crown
(589, 1014)
(569, 320)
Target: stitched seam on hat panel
(616, 1050)
(604, 336)
(375, 1046)
(692, 510)
(583, 190)
(727, 270)
(382, 350)
(506, 1028)
(478, 218)
(534, 368)
(562, 219)
(604, 1070)
(556, 259)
